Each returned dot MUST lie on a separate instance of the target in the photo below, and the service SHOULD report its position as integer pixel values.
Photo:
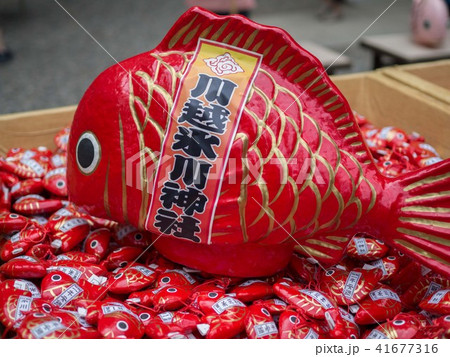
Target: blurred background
(54, 60)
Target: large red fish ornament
(230, 144)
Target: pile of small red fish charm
(66, 274)
(394, 151)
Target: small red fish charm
(171, 297)
(55, 182)
(19, 285)
(11, 223)
(403, 326)
(36, 204)
(252, 290)
(62, 138)
(19, 243)
(131, 278)
(26, 187)
(24, 267)
(97, 242)
(349, 287)
(38, 325)
(438, 303)
(224, 319)
(382, 304)
(342, 324)
(78, 269)
(168, 325)
(8, 179)
(120, 257)
(259, 323)
(366, 248)
(293, 325)
(130, 236)
(311, 302)
(176, 277)
(424, 287)
(68, 232)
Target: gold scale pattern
(274, 224)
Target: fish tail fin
(421, 223)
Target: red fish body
(298, 174)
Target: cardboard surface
(386, 102)
(30, 129)
(383, 100)
(432, 79)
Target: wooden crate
(431, 78)
(381, 99)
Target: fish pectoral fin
(326, 249)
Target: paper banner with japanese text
(198, 139)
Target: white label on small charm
(72, 223)
(361, 246)
(437, 297)
(380, 294)
(23, 305)
(375, 334)
(432, 288)
(225, 304)
(67, 295)
(75, 274)
(311, 335)
(145, 271)
(265, 329)
(47, 328)
(351, 283)
(320, 298)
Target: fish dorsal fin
(291, 66)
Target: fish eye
(122, 326)
(212, 295)
(265, 312)
(56, 277)
(293, 319)
(88, 153)
(399, 322)
(60, 184)
(447, 318)
(172, 290)
(144, 316)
